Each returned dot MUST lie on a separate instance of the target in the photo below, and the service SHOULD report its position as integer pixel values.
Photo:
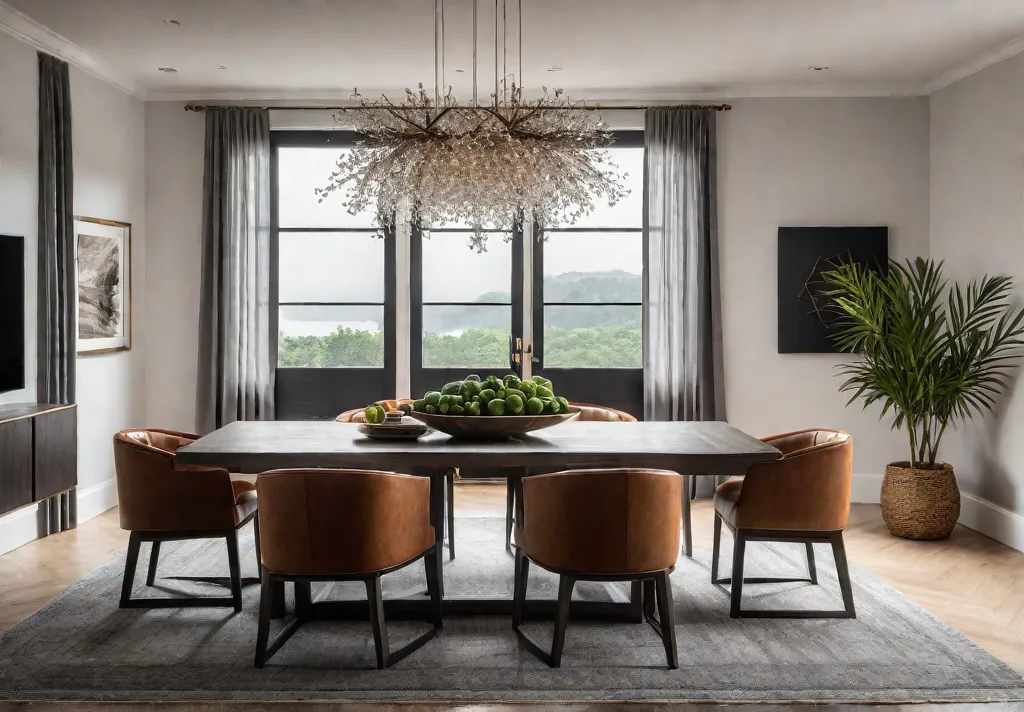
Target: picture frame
(103, 285)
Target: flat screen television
(12, 312)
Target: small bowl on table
(394, 427)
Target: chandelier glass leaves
(481, 166)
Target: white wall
(174, 208)
(109, 159)
(19, 140)
(977, 227)
(806, 162)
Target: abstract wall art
(804, 253)
(103, 260)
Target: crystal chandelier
(480, 165)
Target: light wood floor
(969, 581)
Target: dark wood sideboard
(38, 457)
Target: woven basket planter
(920, 504)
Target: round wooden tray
(492, 427)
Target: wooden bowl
(492, 427)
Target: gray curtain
(56, 297)
(682, 313)
(236, 375)
(55, 323)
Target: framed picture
(103, 262)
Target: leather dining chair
(600, 525)
(804, 498)
(356, 415)
(343, 525)
(159, 501)
(588, 412)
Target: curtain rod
(592, 107)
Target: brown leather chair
(356, 415)
(588, 412)
(343, 525)
(804, 497)
(600, 525)
(159, 501)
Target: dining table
(709, 448)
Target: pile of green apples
(493, 396)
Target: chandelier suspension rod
(476, 101)
(438, 51)
(496, 53)
(520, 77)
(358, 107)
(504, 51)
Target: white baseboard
(866, 489)
(992, 520)
(29, 523)
(20, 528)
(95, 500)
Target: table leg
(636, 601)
(437, 519)
(687, 523)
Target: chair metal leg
(812, 570)
(716, 548)
(843, 569)
(666, 613)
(256, 540)
(518, 589)
(375, 598)
(650, 599)
(450, 487)
(430, 567)
(131, 561)
(565, 586)
(263, 626)
(154, 556)
(303, 599)
(235, 568)
(737, 574)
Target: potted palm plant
(932, 355)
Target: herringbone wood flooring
(969, 581)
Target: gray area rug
(81, 646)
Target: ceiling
(605, 49)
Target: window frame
(307, 392)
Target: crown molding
(24, 28)
(606, 97)
(975, 65)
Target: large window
(589, 302)
(331, 271)
(334, 286)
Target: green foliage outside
(589, 336)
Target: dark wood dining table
(690, 448)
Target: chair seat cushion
(727, 495)
(239, 486)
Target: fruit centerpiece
(488, 407)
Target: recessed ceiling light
(459, 71)
(168, 70)
(554, 69)
(172, 23)
(222, 67)
(818, 68)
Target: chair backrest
(356, 415)
(808, 489)
(590, 412)
(153, 495)
(614, 521)
(341, 522)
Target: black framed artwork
(804, 253)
